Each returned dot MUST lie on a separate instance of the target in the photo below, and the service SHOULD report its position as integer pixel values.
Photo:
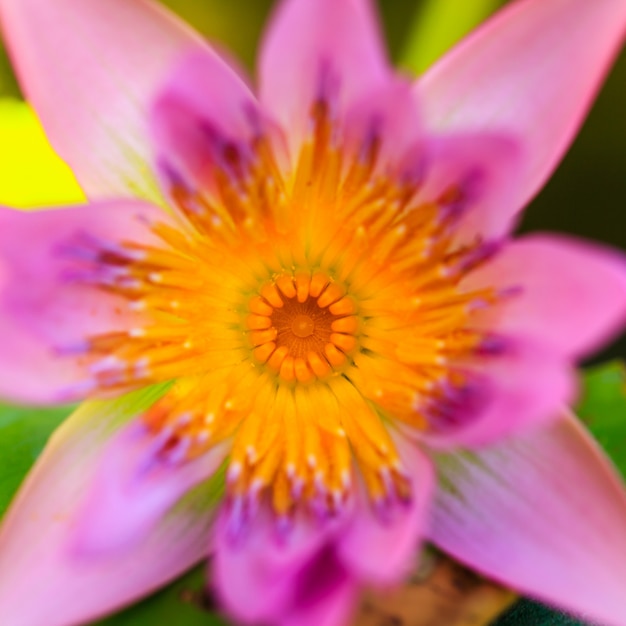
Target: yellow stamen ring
(303, 327)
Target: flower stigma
(303, 326)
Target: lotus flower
(307, 339)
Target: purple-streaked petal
(47, 306)
(37, 536)
(543, 513)
(132, 488)
(326, 594)
(255, 567)
(480, 172)
(90, 69)
(319, 50)
(513, 385)
(572, 294)
(532, 71)
(204, 118)
(380, 546)
(385, 122)
(287, 579)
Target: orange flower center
(303, 327)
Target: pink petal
(485, 171)
(255, 569)
(202, 119)
(572, 294)
(45, 312)
(36, 538)
(296, 583)
(532, 71)
(386, 121)
(517, 385)
(319, 49)
(543, 513)
(326, 595)
(131, 489)
(380, 550)
(90, 68)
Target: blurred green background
(586, 197)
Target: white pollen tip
(155, 277)
(187, 345)
(136, 255)
(142, 367)
(311, 460)
(136, 332)
(341, 432)
(209, 418)
(137, 305)
(183, 419)
(202, 436)
(107, 364)
(234, 471)
(251, 453)
(256, 485)
(346, 480)
(228, 405)
(132, 284)
(290, 470)
(175, 304)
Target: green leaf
(441, 24)
(603, 409)
(23, 435)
